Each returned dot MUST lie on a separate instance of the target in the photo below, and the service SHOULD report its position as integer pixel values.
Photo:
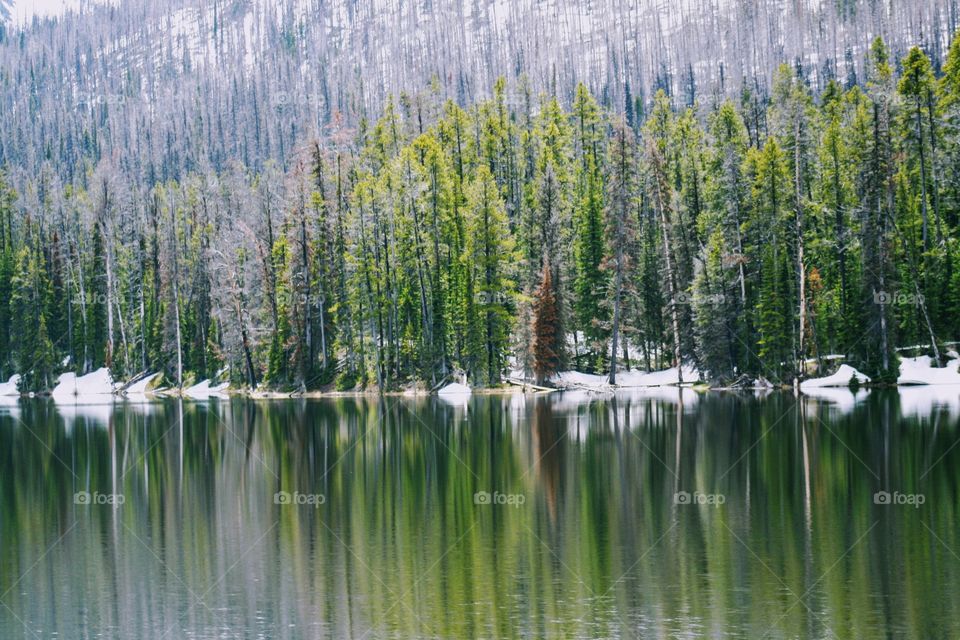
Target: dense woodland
(743, 236)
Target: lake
(654, 514)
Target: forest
(759, 235)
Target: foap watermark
(296, 299)
(896, 498)
(700, 299)
(300, 499)
(282, 99)
(490, 297)
(698, 498)
(96, 498)
(497, 498)
(89, 298)
(898, 298)
(91, 100)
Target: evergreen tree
(546, 312)
(490, 254)
(591, 282)
(620, 232)
(34, 356)
(770, 224)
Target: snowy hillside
(191, 83)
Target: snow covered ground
(10, 397)
(204, 390)
(455, 389)
(9, 388)
(456, 395)
(625, 379)
(94, 388)
(920, 371)
(98, 388)
(657, 378)
(576, 379)
(841, 378)
(140, 386)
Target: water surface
(661, 514)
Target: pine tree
(949, 93)
(791, 122)
(591, 281)
(917, 87)
(927, 262)
(620, 230)
(34, 356)
(7, 262)
(546, 356)
(723, 338)
(659, 134)
(834, 245)
(876, 348)
(770, 223)
(490, 254)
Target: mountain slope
(184, 84)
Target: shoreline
(509, 390)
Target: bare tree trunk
(923, 178)
(306, 349)
(618, 289)
(244, 334)
(143, 319)
(668, 259)
(801, 267)
(176, 294)
(108, 261)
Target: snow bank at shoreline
(140, 386)
(9, 388)
(576, 379)
(456, 395)
(455, 389)
(663, 378)
(841, 378)
(204, 390)
(625, 379)
(94, 387)
(99, 387)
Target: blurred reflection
(637, 514)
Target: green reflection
(390, 542)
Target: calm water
(645, 515)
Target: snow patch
(94, 387)
(456, 395)
(140, 386)
(626, 379)
(663, 378)
(455, 389)
(566, 379)
(204, 390)
(839, 379)
(920, 371)
(9, 388)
